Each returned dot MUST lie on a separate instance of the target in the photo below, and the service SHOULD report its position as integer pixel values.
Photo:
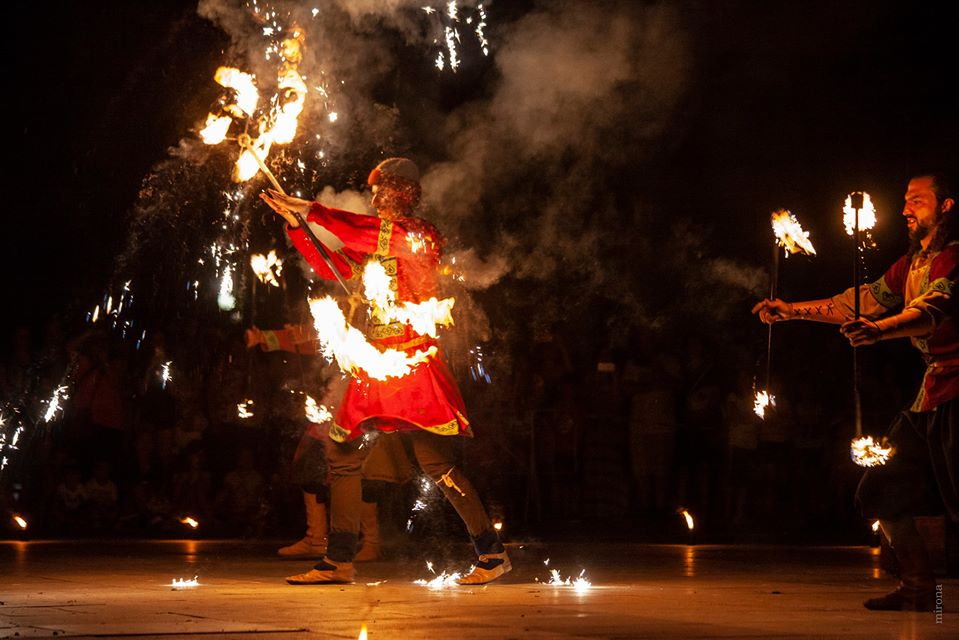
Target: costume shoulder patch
(884, 295)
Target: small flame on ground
(441, 581)
(20, 521)
(875, 526)
(789, 234)
(762, 402)
(187, 520)
(867, 453)
(184, 583)
(690, 523)
(498, 525)
(580, 584)
(867, 215)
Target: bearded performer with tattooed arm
(913, 299)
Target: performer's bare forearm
(911, 322)
(823, 310)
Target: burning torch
(859, 216)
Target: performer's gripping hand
(861, 332)
(771, 311)
(285, 205)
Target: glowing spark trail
(165, 374)
(53, 404)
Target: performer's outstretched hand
(285, 205)
(771, 311)
(861, 332)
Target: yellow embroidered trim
(451, 428)
(884, 295)
(383, 240)
(380, 331)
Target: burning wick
(498, 525)
(183, 583)
(789, 234)
(20, 522)
(875, 527)
(316, 413)
(762, 402)
(267, 267)
(690, 524)
(244, 409)
(867, 453)
(867, 214)
(187, 520)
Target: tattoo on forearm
(824, 309)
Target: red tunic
(923, 282)
(409, 250)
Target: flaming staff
(279, 127)
(792, 238)
(859, 217)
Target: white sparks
(225, 299)
(580, 584)
(865, 452)
(334, 116)
(442, 581)
(53, 404)
(165, 374)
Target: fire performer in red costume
(424, 405)
(923, 476)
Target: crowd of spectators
(148, 444)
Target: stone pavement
(110, 589)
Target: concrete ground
(123, 589)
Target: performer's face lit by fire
(390, 201)
(922, 209)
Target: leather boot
(917, 588)
(313, 544)
(493, 560)
(326, 572)
(369, 533)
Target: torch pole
(247, 144)
(857, 254)
(773, 282)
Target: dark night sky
(789, 104)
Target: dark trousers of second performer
(434, 454)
